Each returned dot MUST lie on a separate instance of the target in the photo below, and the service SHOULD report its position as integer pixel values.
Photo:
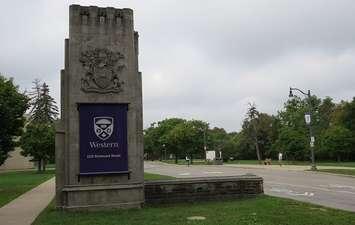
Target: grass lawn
(275, 162)
(13, 184)
(301, 163)
(339, 171)
(183, 161)
(263, 210)
(152, 176)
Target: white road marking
(184, 174)
(338, 186)
(310, 187)
(213, 172)
(291, 192)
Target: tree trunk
(176, 159)
(44, 165)
(338, 158)
(257, 150)
(39, 165)
(256, 143)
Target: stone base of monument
(101, 197)
(211, 188)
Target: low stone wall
(209, 188)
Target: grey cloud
(202, 59)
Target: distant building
(16, 161)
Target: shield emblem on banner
(103, 127)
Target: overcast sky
(202, 59)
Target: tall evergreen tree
(44, 108)
(38, 139)
(251, 124)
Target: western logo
(103, 127)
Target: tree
(326, 111)
(187, 138)
(292, 125)
(43, 106)
(251, 124)
(13, 105)
(34, 95)
(292, 143)
(155, 138)
(245, 148)
(216, 138)
(199, 128)
(258, 129)
(39, 138)
(229, 148)
(337, 141)
(38, 142)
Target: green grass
(300, 163)
(13, 184)
(152, 176)
(343, 164)
(274, 162)
(339, 171)
(263, 210)
(183, 161)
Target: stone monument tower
(99, 141)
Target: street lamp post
(164, 150)
(308, 122)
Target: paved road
(323, 189)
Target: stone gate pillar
(99, 141)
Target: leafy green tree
(156, 143)
(180, 140)
(150, 142)
(38, 142)
(292, 125)
(216, 138)
(291, 143)
(245, 148)
(344, 115)
(326, 111)
(337, 141)
(13, 105)
(292, 115)
(199, 130)
(187, 139)
(229, 148)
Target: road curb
(327, 173)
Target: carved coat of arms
(102, 69)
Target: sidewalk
(24, 209)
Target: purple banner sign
(103, 138)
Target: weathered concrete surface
(24, 209)
(106, 33)
(208, 188)
(323, 189)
